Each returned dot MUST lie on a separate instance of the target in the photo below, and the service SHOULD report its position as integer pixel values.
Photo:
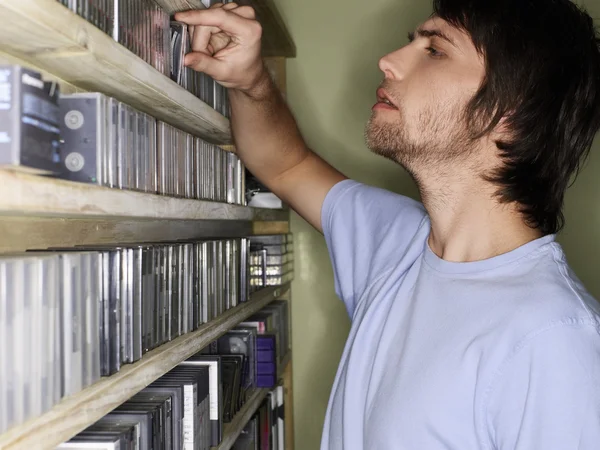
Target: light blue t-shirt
(496, 354)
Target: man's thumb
(201, 62)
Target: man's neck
(468, 223)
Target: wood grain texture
(65, 88)
(27, 194)
(232, 430)
(21, 233)
(78, 411)
(228, 148)
(266, 228)
(288, 387)
(284, 363)
(276, 40)
(50, 36)
(272, 215)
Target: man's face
(418, 120)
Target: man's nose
(391, 66)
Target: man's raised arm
(226, 41)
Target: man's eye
(433, 52)
(411, 36)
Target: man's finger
(201, 38)
(202, 62)
(247, 12)
(230, 6)
(225, 20)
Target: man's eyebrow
(422, 32)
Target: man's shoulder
(555, 283)
(374, 196)
(548, 295)
(351, 202)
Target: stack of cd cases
(145, 29)
(198, 83)
(266, 429)
(188, 407)
(273, 320)
(29, 121)
(109, 143)
(141, 26)
(100, 13)
(271, 260)
(170, 414)
(50, 334)
(84, 313)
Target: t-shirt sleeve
(549, 396)
(367, 231)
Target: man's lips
(384, 101)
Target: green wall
(331, 88)
(581, 236)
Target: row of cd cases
(145, 29)
(106, 142)
(217, 382)
(70, 317)
(176, 413)
(271, 260)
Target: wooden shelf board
(284, 363)
(276, 39)
(272, 215)
(266, 228)
(288, 386)
(21, 233)
(228, 148)
(73, 414)
(41, 212)
(232, 430)
(50, 36)
(28, 194)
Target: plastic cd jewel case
(109, 143)
(271, 260)
(188, 407)
(92, 309)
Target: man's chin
(384, 151)
(380, 138)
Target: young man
(469, 330)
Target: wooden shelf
(52, 38)
(233, 429)
(75, 413)
(276, 39)
(44, 196)
(265, 228)
(39, 212)
(284, 363)
(35, 195)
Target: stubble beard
(443, 140)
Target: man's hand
(226, 46)
(225, 41)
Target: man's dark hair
(542, 65)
